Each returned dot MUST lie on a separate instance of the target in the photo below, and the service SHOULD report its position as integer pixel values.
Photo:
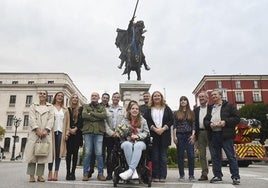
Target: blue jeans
(217, 144)
(93, 141)
(159, 161)
(184, 144)
(57, 136)
(133, 152)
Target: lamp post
(16, 124)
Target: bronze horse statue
(130, 43)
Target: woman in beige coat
(61, 134)
(41, 120)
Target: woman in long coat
(41, 120)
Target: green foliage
(255, 111)
(173, 158)
(2, 132)
(172, 155)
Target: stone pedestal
(133, 90)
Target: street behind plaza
(13, 174)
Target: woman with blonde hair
(159, 119)
(41, 119)
(60, 134)
(184, 136)
(75, 139)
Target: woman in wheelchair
(134, 140)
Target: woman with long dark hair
(184, 136)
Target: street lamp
(16, 124)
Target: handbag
(41, 148)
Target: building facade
(237, 89)
(18, 91)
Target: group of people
(61, 128)
(94, 126)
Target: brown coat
(42, 118)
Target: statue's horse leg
(138, 71)
(128, 75)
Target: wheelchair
(119, 164)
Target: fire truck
(247, 145)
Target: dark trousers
(108, 144)
(72, 147)
(217, 144)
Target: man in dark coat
(221, 121)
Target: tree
(254, 111)
(2, 132)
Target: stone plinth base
(133, 90)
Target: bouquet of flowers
(123, 130)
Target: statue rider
(134, 40)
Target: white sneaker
(135, 175)
(126, 175)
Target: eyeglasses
(42, 93)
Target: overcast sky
(185, 40)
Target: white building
(18, 91)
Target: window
(255, 84)
(257, 96)
(239, 96)
(15, 82)
(29, 99)
(50, 82)
(237, 84)
(30, 82)
(9, 121)
(219, 84)
(23, 144)
(224, 94)
(26, 122)
(7, 144)
(49, 98)
(12, 100)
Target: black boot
(72, 176)
(68, 176)
(109, 176)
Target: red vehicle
(247, 145)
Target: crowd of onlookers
(95, 127)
